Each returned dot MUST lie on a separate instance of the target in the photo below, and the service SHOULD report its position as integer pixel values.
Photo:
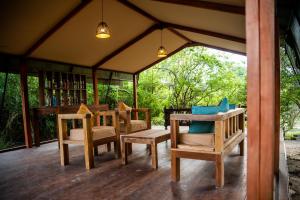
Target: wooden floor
(36, 174)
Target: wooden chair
(88, 136)
(229, 132)
(128, 125)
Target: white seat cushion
(136, 125)
(99, 132)
(207, 139)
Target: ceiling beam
(208, 5)
(180, 35)
(206, 32)
(56, 27)
(139, 10)
(161, 59)
(126, 45)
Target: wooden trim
(126, 45)
(161, 59)
(56, 27)
(261, 106)
(205, 32)
(25, 105)
(209, 5)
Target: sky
(230, 56)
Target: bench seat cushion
(195, 147)
(99, 132)
(136, 125)
(204, 139)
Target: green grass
(291, 135)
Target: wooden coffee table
(151, 137)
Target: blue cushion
(202, 127)
(205, 110)
(224, 105)
(232, 106)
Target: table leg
(154, 155)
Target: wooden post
(277, 99)
(135, 96)
(95, 87)
(96, 95)
(260, 98)
(41, 88)
(25, 105)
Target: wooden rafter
(161, 59)
(217, 48)
(206, 32)
(126, 45)
(208, 5)
(56, 27)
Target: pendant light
(162, 52)
(102, 30)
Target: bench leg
(124, 152)
(175, 167)
(242, 148)
(88, 156)
(219, 171)
(154, 155)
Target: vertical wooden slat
(25, 105)
(135, 95)
(174, 133)
(260, 98)
(88, 142)
(64, 149)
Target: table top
(148, 134)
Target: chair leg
(108, 147)
(117, 148)
(242, 147)
(96, 153)
(124, 152)
(129, 148)
(219, 171)
(64, 154)
(175, 167)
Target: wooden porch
(36, 174)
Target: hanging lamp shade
(162, 52)
(102, 30)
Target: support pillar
(260, 27)
(135, 94)
(41, 88)
(25, 105)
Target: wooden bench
(229, 132)
(151, 137)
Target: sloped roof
(64, 31)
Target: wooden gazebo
(62, 33)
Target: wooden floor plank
(36, 174)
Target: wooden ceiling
(64, 31)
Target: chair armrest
(74, 116)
